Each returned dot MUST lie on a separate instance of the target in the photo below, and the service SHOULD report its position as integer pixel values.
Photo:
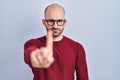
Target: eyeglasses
(59, 22)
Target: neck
(58, 38)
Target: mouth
(55, 31)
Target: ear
(65, 23)
(44, 22)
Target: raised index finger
(49, 41)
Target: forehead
(54, 12)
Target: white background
(93, 23)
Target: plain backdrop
(93, 23)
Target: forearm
(27, 53)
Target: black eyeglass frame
(57, 21)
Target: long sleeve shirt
(68, 56)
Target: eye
(61, 21)
(50, 21)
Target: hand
(43, 57)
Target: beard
(57, 32)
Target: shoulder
(72, 42)
(75, 44)
(33, 42)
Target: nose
(55, 25)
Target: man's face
(54, 20)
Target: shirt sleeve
(81, 65)
(29, 46)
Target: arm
(37, 57)
(29, 47)
(81, 65)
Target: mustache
(55, 29)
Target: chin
(56, 35)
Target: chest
(64, 54)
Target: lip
(55, 30)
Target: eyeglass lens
(59, 22)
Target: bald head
(54, 8)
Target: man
(55, 56)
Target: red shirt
(68, 57)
